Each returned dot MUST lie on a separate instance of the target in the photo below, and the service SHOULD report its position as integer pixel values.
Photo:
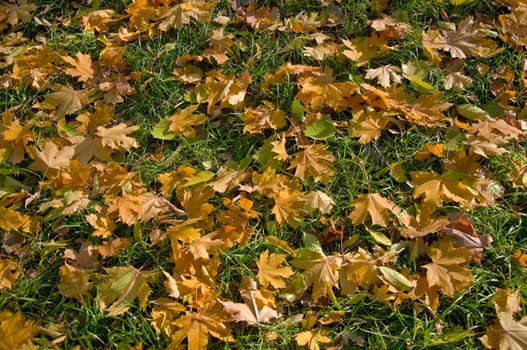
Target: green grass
(360, 168)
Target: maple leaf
(390, 27)
(153, 205)
(271, 271)
(16, 332)
(455, 79)
(15, 13)
(98, 20)
(462, 42)
(201, 247)
(319, 88)
(312, 338)
(74, 282)
(51, 157)
(513, 25)
(117, 137)
(436, 189)
(9, 271)
(461, 230)
(368, 125)
(358, 269)
(141, 12)
(320, 271)
(374, 205)
(362, 49)
(11, 219)
(317, 200)
(82, 67)
(113, 248)
(183, 121)
(518, 175)
(314, 161)
(101, 222)
(426, 110)
(249, 312)
(506, 332)
(264, 116)
(120, 287)
(197, 326)
(288, 207)
(129, 207)
(258, 18)
(385, 75)
(448, 271)
(184, 12)
(223, 91)
(15, 137)
(227, 179)
(66, 99)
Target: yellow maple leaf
(271, 271)
(183, 121)
(448, 268)
(9, 271)
(16, 332)
(314, 161)
(374, 205)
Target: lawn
(263, 175)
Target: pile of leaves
(130, 217)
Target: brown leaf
(385, 75)
(51, 157)
(506, 332)
(66, 99)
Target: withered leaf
(117, 137)
(249, 312)
(66, 99)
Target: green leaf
(379, 237)
(451, 335)
(312, 243)
(297, 110)
(395, 278)
(200, 177)
(160, 130)
(321, 129)
(472, 112)
(421, 86)
(68, 129)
